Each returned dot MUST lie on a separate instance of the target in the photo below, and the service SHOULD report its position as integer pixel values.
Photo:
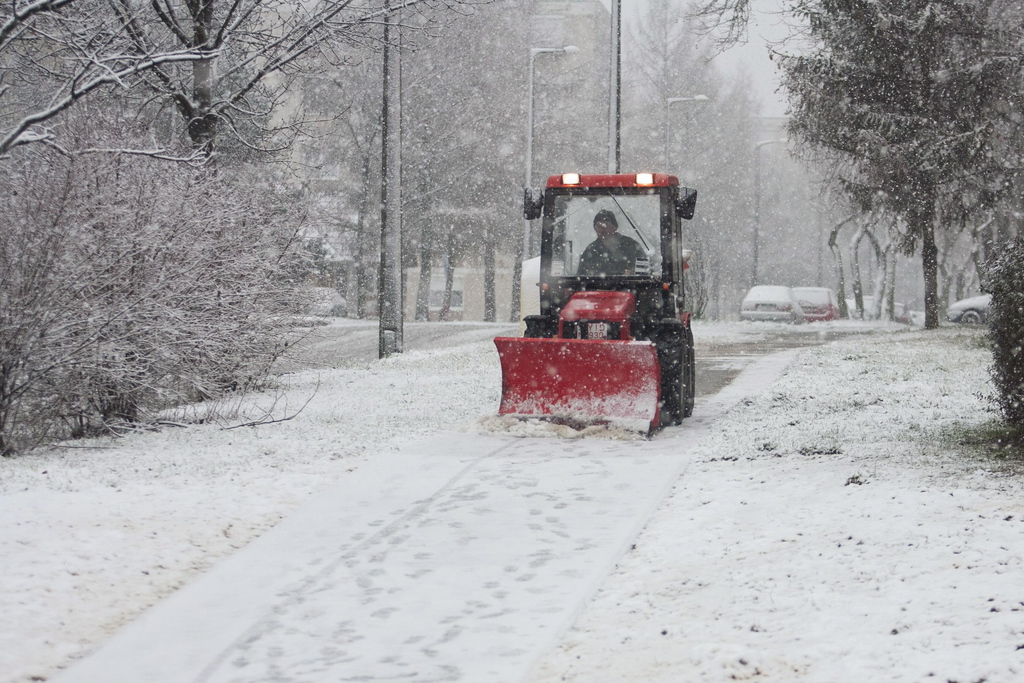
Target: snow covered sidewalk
(93, 533)
(839, 527)
(460, 558)
(836, 526)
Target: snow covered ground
(860, 442)
(838, 527)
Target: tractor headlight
(570, 178)
(644, 178)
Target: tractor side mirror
(533, 203)
(686, 203)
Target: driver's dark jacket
(599, 261)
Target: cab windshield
(631, 240)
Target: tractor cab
(617, 233)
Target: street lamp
(517, 274)
(567, 50)
(757, 200)
(669, 101)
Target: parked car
(771, 302)
(971, 311)
(869, 307)
(901, 312)
(818, 303)
(326, 301)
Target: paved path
(345, 342)
(460, 558)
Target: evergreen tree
(912, 102)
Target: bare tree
(222, 65)
(837, 253)
(463, 142)
(127, 286)
(685, 118)
(357, 146)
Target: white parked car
(972, 311)
(326, 301)
(901, 313)
(771, 302)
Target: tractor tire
(672, 400)
(689, 388)
(672, 354)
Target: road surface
(346, 342)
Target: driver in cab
(611, 253)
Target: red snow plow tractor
(612, 343)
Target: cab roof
(612, 180)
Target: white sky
(751, 56)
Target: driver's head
(605, 223)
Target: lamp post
(390, 295)
(567, 50)
(517, 274)
(669, 101)
(757, 200)
(615, 90)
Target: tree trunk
(202, 124)
(426, 257)
(858, 288)
(490, 304)
(716, 289)
(363, 237)
(982, 238)
(890, 287)
(517, 277)
(924, 216)
(878, 273)
(833, 236)
(449, 275)
(929, 262)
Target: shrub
(128, 285)
(1006, 330)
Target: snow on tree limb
(22, 133)
(208, 59)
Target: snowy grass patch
(871, 397)
(833, 528)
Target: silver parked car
(771, 302)
(972, 311)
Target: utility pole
(389, 298)
(757, 203)
(669, 101)
(615, 91)
(517, 272)
(821, 233)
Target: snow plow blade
(581, 381)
